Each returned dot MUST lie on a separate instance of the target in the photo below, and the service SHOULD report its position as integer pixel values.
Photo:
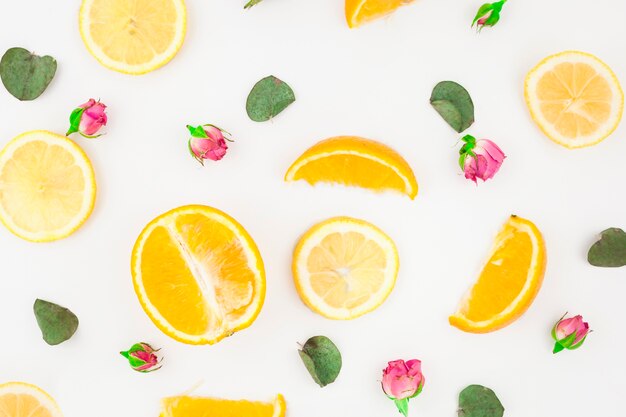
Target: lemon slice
(574, 98)
(47, 186)
(133, 36)
(187, 406)
(344, 268)
(19, 399)
(359, 12)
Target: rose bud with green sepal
(488, 14)
(88, 118)
(207, 142)
(403, 381)
(569, 333)
(480, 158)
(142, 357)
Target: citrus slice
(19, 399)
(344, 268)
(354, 161)
(198, 274)
(508, 282)
(574, 98)
(133, 36)
(47, 186)
(363, 11)
(186, 406)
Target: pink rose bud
(142, 357)
(87, 119)
(488, 14)
(207, 142)
(569, 333)
(480, 158)
(403, 381)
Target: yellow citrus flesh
(354, 161)
(344, 268)
(186, 406)
(574, 98)
(133, 36)
(508, 282)
(363, 11)
(198, 274)
(19, 399)
(47, 186)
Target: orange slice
(508, 282)
(363, 11)
(186, 406)
(19, 399)
(198, 274)
(574, 98)
(344, 268)
(354, 161)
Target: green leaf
(57, 323)
(75, 117)
(268, 98)
(251, 3)
(197, 132)
(454, 104)
(26, 75)
(403, 406)
(610, 250)
(322, 359)
(479, 401)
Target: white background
(373, 82)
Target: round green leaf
(322, 359)
(26, 75)
(454, 104)
(479, 401)
(610, 250)
(57, 323)
(268, 98)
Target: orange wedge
(363, 11)
(19, 399)
(508, 282)
(354, 161)
(198, 274)
(186, 406)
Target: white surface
(373, 82)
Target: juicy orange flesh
(21, 405)
(503, 278)
(346, 269)
(371, 9)
(196, 274)
(197, 407)
(353, 170)
(133, 31)
(41, 187)
(575, 99)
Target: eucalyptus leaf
(479, 401)
(268, 98)
(57, 323)
(322, 359)
(26, 75)
(610, 250)
(454, 104)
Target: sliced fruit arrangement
(133, 36)
(19, 399)
(574, 98)
(363, 11)
(508, 282)
(47, 186)
(198, 274)
(186, 406)
(344, 268)
(354, 161)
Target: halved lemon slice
(187, 406)
(344, 268)
(198, 274)
(354, 161)
(133, 36)
(19, 399)
(508, 282)
(47, 186)
(574, 98)
(363, 11)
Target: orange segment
(354, 161)
(574, 98)
(508, 282)
(202, 259)
(186, 406)
(363, 11)
(19, 399)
